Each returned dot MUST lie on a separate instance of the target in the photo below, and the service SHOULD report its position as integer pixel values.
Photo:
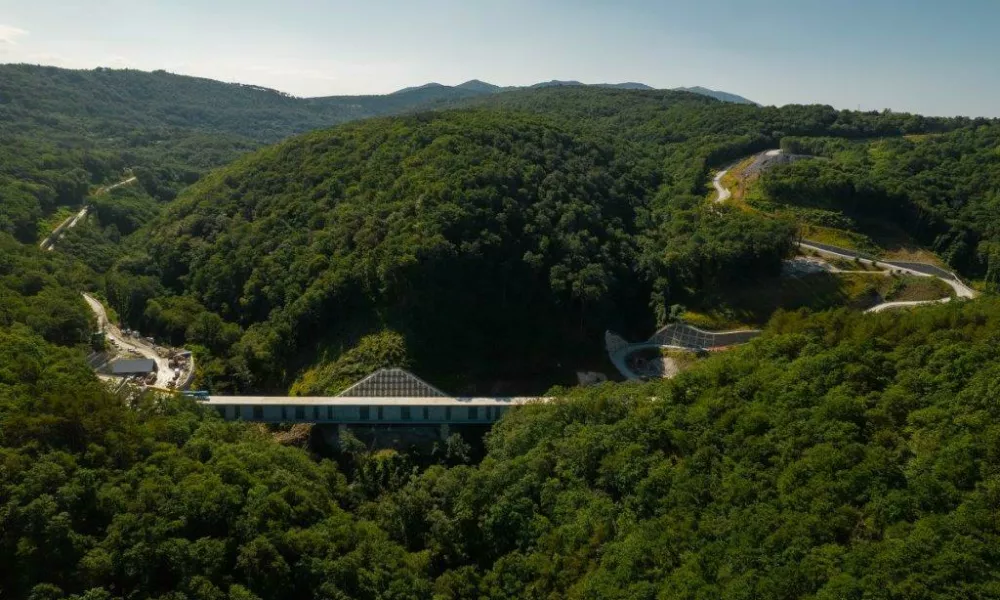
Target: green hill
(108, 103)
(64, 132)
(839, 455)
(497, 243)
(718, 95)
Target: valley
(395, 319)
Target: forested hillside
(841, 456)
(943, 191)
(40, 292)
(113, 103)
(489, 244)
(64, 132)
(36, 177)
(496, 244)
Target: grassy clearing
(884, 240)
(753, 306)
(911, 254)
(848, 265)
(712, 319)
(896, 244)
(839, 237)
(919, 289)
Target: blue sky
(933, 57)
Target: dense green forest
(498, 242)
(64, 132)
(943, 191)
(129, 104)
(494, 243)
(40, 291)
(840, 456)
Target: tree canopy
(495, 243)
(840, 456)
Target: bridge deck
(367, 401)
(365, 411)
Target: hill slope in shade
(442, 227)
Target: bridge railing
(360, 414)
(685, 336)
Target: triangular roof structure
(391, 383)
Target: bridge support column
(444, 431)
(341, 429)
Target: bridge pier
(444, 431)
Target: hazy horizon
(918, 56)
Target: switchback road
(918, 269)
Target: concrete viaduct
(386, 397)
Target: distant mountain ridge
(71, 103)
(477, 86)
(426, 86)
(718, 95)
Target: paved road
(49, 243)
(676, 336)
(918, 269)
(685, 337)
(892, 305)
(164, 374)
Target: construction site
(129, 357)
